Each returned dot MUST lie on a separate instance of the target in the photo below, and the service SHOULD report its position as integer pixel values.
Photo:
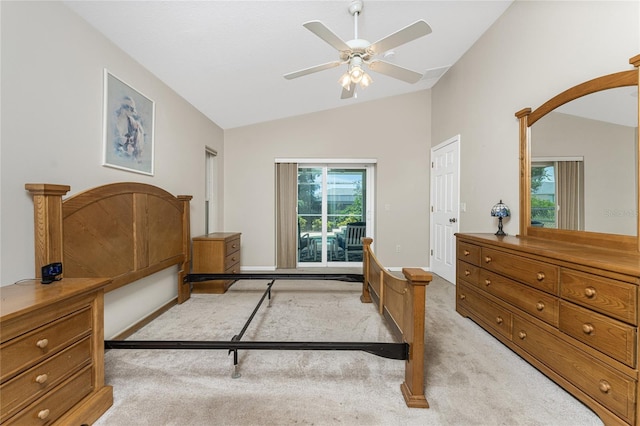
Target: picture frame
(129, 120)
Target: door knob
(452, 220)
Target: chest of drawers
(52, 353)
(218, 252)
(570, 311)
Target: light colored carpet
(471, 378)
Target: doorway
(333, 200)
(445, 203)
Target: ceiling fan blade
(321, 30)
(346, 94)
(416, 30)
(395, 71)
(311, 70)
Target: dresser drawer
(489, 313)
(30, 385)
(55, 404)
(534, 302)
(615, 298)
(468, 272)
(612, 337)
(468, 252)
(232, 246)
(609, 387)
(540, 275)
(32, 347)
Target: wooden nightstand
(218, 252)
(52, 350)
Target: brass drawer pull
(587, 328)
(590, 292)
(540, 306)
(462, 297)
(604, 386)
(522, 335)
(487, 259)
(233, 258)
(540, 276)
(487, 282)
(233, 246)
(42, 343)
(467, 252)
(41, 378)
(499, 320)
(467, 272)
(43, 414)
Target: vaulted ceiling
(228, 58)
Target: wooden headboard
(123, 231)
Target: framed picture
(128, 127)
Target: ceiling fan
(359, 52)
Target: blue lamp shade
(500, 211)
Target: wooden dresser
(568, 309)
(216, 253)
(52, 352)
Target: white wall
(535, 50)
(52, 97)
(395, 131)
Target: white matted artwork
(128, 127)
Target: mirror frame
(527, 118)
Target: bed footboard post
(413, 333)
(47, 217)
(184, 288)
(366, 259)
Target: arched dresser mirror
(579, 164)
(564, 294)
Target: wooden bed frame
(402, 303)
(127, 231)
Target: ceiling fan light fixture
(345, 81)
(365, 81)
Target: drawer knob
(233, 246)
(43, 414)
(487, 259)
(540, 306)
(587, 328)
(41, 378)
(467, 252)
(233, 258)
(522, 335)
(590, 292)
(604, 386)
(42, 343)
(487, 282)
(540, 276)
(462, 297)
(467, 272)
(499, 320)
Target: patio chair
(306, 246)
(352, 242)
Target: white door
(445, 178)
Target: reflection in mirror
(583, 169)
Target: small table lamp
(500, 210)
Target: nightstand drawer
(232, 246)
(54, 404)
(231, 260)
(612, 337)
(615, 298)
(540, 275)
(30, 385)
(23, 352)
